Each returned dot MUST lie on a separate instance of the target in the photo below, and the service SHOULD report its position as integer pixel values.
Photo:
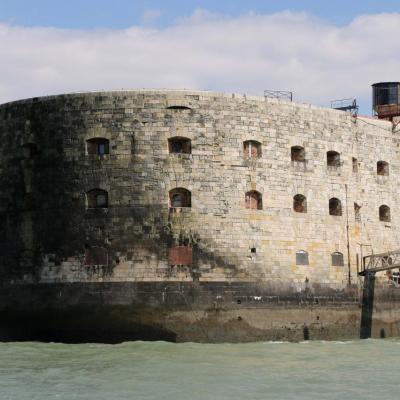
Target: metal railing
(345, 105)
(380, 262)
(278, 94)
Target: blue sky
(320, 50)
(87, 14)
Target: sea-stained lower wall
(48, 230)
(185, 311)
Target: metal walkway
(380, 262)
(371, 265)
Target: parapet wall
(49, 234)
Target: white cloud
(288, 51)
(150, 16)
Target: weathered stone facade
(48, 233)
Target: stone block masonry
(180, 186)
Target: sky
(319, 50)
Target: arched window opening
(298, 154)
(180, 197)
(28, 201)
(384, 213)
(299, 203)
(29, 150)
(179, 145)
(355, 165)
(301, 257)
(177, 107)
(337, 259)
(357, 212)
(253, 200)
(251, 149)
(99, 146)
(333, 159)
(335, 207)
(382, 168)
(97, 198)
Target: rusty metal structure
(386, 100)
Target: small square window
(179, 145)
(337, 259)
(98, 146)
(180, 255)
(176, 147)
(301, 257)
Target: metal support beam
(367, 305)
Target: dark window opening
(300, 203)
(3, 232)
(384, 213)
(253, 200)
(179, 145)
(251, 149)
(180, 255)
(176, 147)
(253, 250)
(99, 146)
(306, 333)
(97, 198)
(333, 159)
(301, 257)
(298, 154)
(96, 256)
(29, 150)
(180, 197)
(178, 108)
(357, 212)
(355, 165)
(335, 207)
(337, 259)
(382, 168)
(28, 201)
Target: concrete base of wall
(177, 312)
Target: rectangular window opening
(180, 255)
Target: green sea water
(368, 369)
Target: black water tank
(385, 93)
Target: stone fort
(195, 188)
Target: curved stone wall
(240, 147)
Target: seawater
(368, 369)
